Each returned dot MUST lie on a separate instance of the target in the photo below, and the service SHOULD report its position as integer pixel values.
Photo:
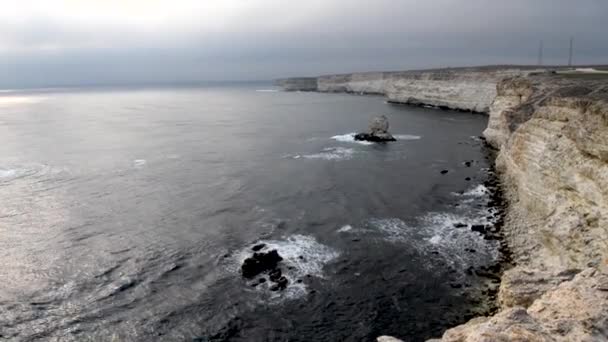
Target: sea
(127, 212)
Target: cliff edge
(552, 136)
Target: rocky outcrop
(575, 310)
(552, 133)
(378, 131)
(554, 164)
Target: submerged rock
(259, 247)
(260, 262)
(378, 131)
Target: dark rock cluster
(264, 263)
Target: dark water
(125, 215)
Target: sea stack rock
(378, 131)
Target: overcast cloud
(69, 42)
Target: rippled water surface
(125, 215)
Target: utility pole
(540, 53)
(571, 51)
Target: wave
(350, 138)
(139, 163)
(345, 229)
(478, 191)
(7, 173)
(28, 170)
(267, 90)
(407, 137)
(331, 153)
(435, 234)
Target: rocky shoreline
(550, 132)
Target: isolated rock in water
(378, 131)
(378, 125)
(260, 262)
(259, 247)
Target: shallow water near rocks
(126, 215)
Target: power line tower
(540, 52)
(571, 51)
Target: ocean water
(126, 213)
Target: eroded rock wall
(359, 83)
(552, 133)
(298, 84)
(469, 89)
(461, 89)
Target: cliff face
(298, 83)
(360, 83)
(553, 139)
(469, 89)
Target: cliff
(552, 134)
(468, 89)
(298, 83)
(551, 131)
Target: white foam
(7, 173)
(27, 170)
(302, 255)
(332, 153)
(345, 229)
(139, 162)
(350, 138)
(267, 90)
(436, 233)
(436, 239)
(407, 137)
(478, 191)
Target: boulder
(260, 262)
(378, 131)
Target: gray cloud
(265, 39)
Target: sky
(87, 42)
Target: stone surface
(554, 169)
(521, 286)
(378, 125)
(575, 310)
